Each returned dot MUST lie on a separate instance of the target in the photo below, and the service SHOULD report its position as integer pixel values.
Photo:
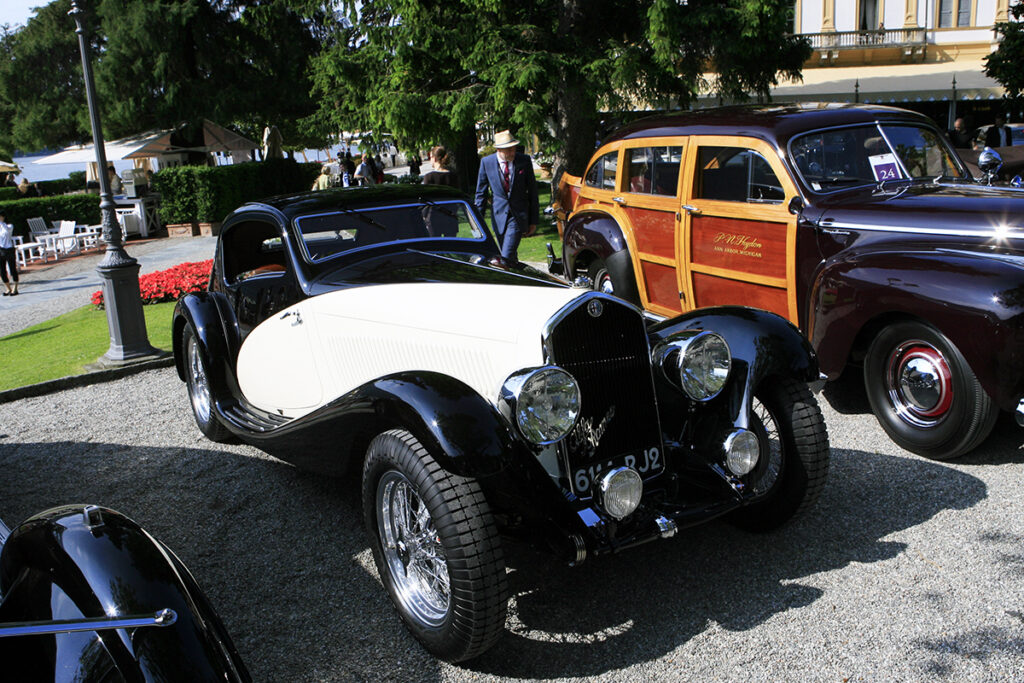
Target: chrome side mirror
(989, 162)
(796, 205)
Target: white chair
(65, 241)
(38, 228)
(28, 251)
(89, 235)
(129, 223)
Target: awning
(8, 167)
(143, 145)
(892, 84)
(216, 138)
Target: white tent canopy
(154, 143)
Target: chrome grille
(609, 357)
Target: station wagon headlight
(543, 403)
(701, 359)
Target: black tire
(601, 278)
(468, 618)
(200, 396)
(792, 470)
(939, 410)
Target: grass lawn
(64, 345)
(532, 248)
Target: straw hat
(504, 139)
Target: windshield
(328, 234)
(833, 159)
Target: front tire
(924, 394)
(200, 395)
(436, 547)
(794, 447)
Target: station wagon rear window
(654, 170)
(329, 234)
(602, 174)
(831, 160)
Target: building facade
(925, 55)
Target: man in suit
(999, 135)
(515, 208)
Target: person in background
(959, 136)
(414, 164)
(323, 181)
(115, 180)
(364, 174)
(10, 181)
(515, 208)
(999, 134)
(378, 169)
(8, 263)
(442, 169)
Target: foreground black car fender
(72, 573)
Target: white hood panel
(476, 333)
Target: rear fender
(976, 300)
(593, 235)
(210, 315)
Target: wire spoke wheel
(412, 550)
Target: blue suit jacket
(518, 208)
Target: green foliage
(69, 342)
(81, 208)
(46, 187)
(1004, 64)
(8, 194)
(209, 193)
(158, 63)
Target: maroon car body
(858, 223)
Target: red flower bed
(170, 284)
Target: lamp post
(118, 270)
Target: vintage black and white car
(377, 330)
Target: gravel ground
(906, 570)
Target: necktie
(505, 177)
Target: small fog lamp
(619, 491)
(741, 452)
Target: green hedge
(81, 208)
(208, 193)
(73, 183)
(9, 194)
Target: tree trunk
(467, 161)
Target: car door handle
(619, 200)
(692, 210)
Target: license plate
(648, 462)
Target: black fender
(463, 431)
(762, 345)
(975, 299)
(592, 235)
(67, 563)
(211, 316)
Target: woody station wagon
(859, 224)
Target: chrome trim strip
(866, 227)
(165, 617)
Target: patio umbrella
(8, 167)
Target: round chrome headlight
(544, 403)
(741, 452)
(704, 363)
(619, 491)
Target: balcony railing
(843, 40)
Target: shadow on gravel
(284, 559)
(619, 611)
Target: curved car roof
(777, 123)
(318, 201)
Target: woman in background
(443, 169)
(8, 264)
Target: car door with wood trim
(738, 238)
(649, 199)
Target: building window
(954, 13)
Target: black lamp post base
(128, 339)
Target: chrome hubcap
(412, 550)
(919, 383)
(199, 387)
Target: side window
(602, 174)
(250, 250)
(736, 174)
(654, 170)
